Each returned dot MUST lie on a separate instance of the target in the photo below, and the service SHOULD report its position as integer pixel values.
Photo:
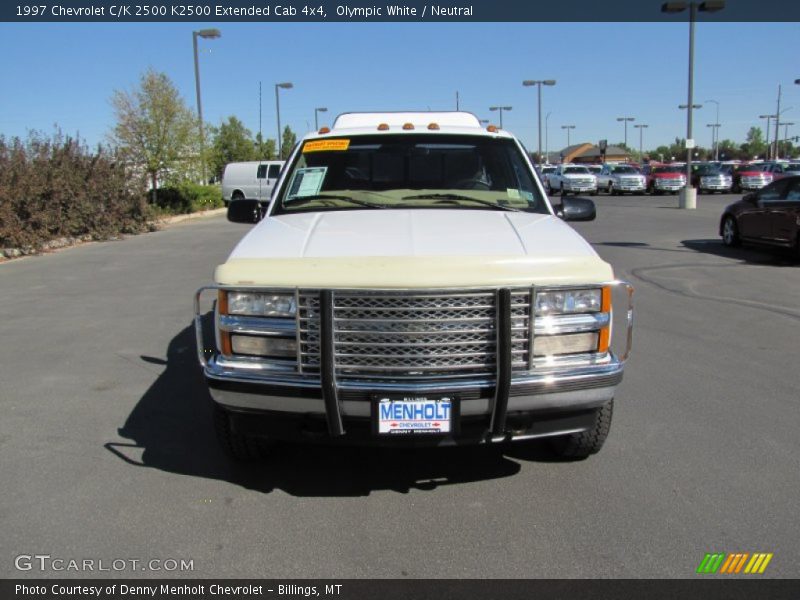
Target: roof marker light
(492, 129)
(408, 126)
(324, 130)
(433, 126)
(383, 127)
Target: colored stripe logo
(735, 562)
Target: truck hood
(412, 248)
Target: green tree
(231, 142)
(155, 130)
(265, 149)
(288, 142)
(728, 150)
(755, 144)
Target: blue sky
(64, 74)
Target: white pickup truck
(574, 179)
(411, 284)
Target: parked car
(545, 172)
(665, 178)
(573, 179)
(411, 284)
(595, 169)
(710, 178)
(619, 179)
(253, 180)
(769, 216)
(780, 169)
(747, 178)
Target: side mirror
(576, 209)
(752, 198)
(244, 211)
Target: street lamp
(715, 131)
(546, 144)
(641, 128)
(714, 127)
(287, 86)
(786, 135)
(316, 123)
(768, 118)
(625, 120)
(688, 198)
(539, 83)
(568, 127)
(208, 34)
(501, 109)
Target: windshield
(624, 169)
(409, 171)
(595, 169)
(674, 169)
(792, 167)
(706, 169)
(576, 170)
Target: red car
(665, 178)
(769, 216)
(748, 177)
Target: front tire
(584, 444)
(730, 233)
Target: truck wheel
(239, 447)
(237, 195)
(584, 444)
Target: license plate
(414, 415)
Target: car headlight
(260, 304)
(568, 301)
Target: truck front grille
(412, 334)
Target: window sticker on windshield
(306, 182)
(326, 145)
(527, 195)
(512, 193)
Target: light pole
(539, 83)
(641, 128)
(786, 134)
(714, 127)
(568, 127)
(316, 123)
(501, 109)
(625, 120)
(546, 144)
(208, 34)
(688, 198)
(287, 85)
(768, 118)
(715, 131)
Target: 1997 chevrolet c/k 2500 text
(411, 284)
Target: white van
(252, 180)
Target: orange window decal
(326, 145)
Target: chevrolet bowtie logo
(735, 562)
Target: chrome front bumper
(559, 388)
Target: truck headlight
(568, 301)
(572, 321)
(260, 304)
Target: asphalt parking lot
(108, 451)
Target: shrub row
(55, 189)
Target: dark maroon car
(769, 216)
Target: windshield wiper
(305, 199)
(458, 197)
